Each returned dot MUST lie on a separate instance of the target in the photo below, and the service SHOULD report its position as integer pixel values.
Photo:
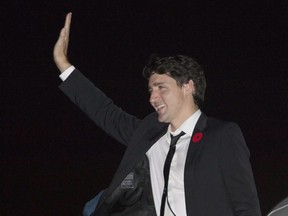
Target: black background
(53, 158)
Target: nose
(153, 96)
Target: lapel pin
(197, 137)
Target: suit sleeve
(99, 108)
(237, 172)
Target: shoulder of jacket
(221, 124)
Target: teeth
(160, 107)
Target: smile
(159, 107)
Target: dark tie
(166, 170)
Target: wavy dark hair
(181, 68)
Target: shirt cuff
(63, 76)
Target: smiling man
(178, 161)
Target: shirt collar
(187, 126)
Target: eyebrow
(155, 84)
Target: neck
(177, 123)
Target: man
(205, 173)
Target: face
(174, 104)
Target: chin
(162, 119)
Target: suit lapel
(196, 142)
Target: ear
(189, 88)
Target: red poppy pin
(197, 137)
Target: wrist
(62, 66)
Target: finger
(67, 25)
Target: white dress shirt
(66, 73)
(157, 155)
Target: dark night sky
(53, 158)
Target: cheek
(171, 101)
(176, 100)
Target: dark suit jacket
(218, 177)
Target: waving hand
(61, 47)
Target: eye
(160, 87)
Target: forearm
(99, 107)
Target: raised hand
(61, 47)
